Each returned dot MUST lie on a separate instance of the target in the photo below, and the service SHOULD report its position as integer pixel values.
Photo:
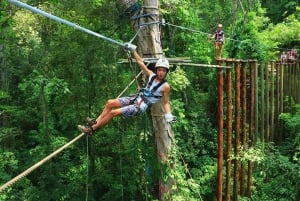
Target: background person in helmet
(129, 106)
(219, 39)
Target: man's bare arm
(141, 64)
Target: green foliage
(9, 164)
(178, 80)
(276, 178)
(280, 10)
(54, 76)
(291, 122)
(253, 154)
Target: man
(129, 106)
(219, 37)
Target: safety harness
(146, 92)
(219, 36)
(150, 93)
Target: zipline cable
(201, 32)
(29, 170)
(55, 18)
(204, 33)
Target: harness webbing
(155, 87)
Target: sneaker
(86, 129)
(90, 121)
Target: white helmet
(163, 63)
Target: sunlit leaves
(178, 79)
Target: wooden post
(149, 46)
(280, 90)
(220, 133)
(3, 68)
(244, 121)
(252, 121)
(237, 130)
(276, 132)
(256, 103)
(267, 92)
(297, 89)
(289, 85)
(262, 95)
(229, 128)
(293, 88)
(272, 101)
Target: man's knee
(112, 103)
(116, 112)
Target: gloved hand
(130, 46)
(170, 118)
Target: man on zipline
(129, 106)
(219, 38)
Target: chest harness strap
(153, 90)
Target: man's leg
(220, 50)
(104, 118)
(216, 49)
(110, 104)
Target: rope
(87, 169)
(55, 18)
(29, 170)
(132, 69)
(129, 84)
(120, 162)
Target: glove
(129, 46)
(170, 118)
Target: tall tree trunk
(149, 46)
(3, 68)
(44, 108)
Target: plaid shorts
(132, 106)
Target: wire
(87, 169)
(201, 32)
(204, 33)
(120, 161)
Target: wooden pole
(262, 95)
(256, 103)
(297, 90)
(267, 96)
(272, 101)
(276, 131)
(237, 130)
(280, 88)
(220, 133)
(229, 128)
(252, 121)
(293, 88)
(244, 121)
(290, 83)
